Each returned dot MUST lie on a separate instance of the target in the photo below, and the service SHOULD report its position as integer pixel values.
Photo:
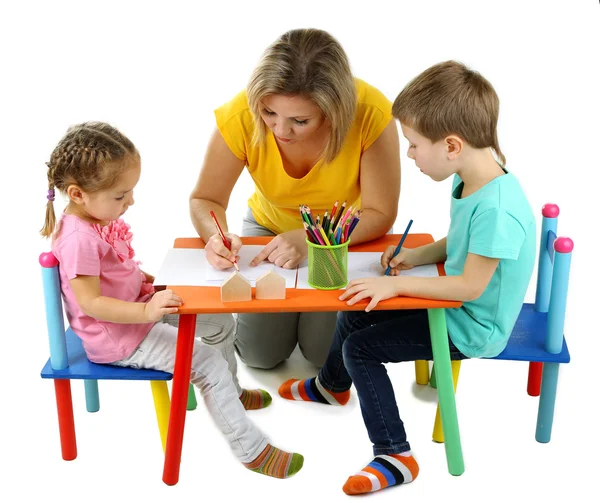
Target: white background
(157, 71)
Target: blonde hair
(449, 98)
(91, 156)
(309, 63)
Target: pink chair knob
(563, 245)
(550, 210)
(47, 259)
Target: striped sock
(253, 399)
(311, 390)
(384, 471)
(276, 463)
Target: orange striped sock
(311, 390)
(384, 471)
(253, 399)
(276, 463)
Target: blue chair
(68, 361)
(538, 333)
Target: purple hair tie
(50, 195)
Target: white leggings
(210, 374)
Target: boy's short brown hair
(449, 98)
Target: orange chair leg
(534, 379)
(66, 422)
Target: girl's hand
(401, 262)
(161, 303)
(376, 288)
(217, 253)
(286, 250)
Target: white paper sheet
(182, 267)
(366, 265)
(246, 254)
(188, 267)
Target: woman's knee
(264, 352)
(315, 335)
(265, 340)
(262, 358)
(316, 356)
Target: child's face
(107, 205)
(430, 158)
(292, 119)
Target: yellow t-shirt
(277, 195)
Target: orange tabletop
(207, 299)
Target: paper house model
(236, 288)
(270, 286)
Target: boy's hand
(161, 303)
(376, 288)
(404, 260)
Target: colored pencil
(225, 240)
(397, 250)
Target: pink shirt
(87, 249)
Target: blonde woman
(311, 133)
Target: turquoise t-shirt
(496, 222)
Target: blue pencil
(389, 268)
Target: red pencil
(225, 240)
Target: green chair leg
(191, 403)
(432, 382)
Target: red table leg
(179, 395)
(66, 422)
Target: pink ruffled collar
(118, 235)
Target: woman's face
(292, 119)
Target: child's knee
(207, 362)
(352, 346)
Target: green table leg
(445, 387)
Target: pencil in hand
(397, 250)
(225, 240)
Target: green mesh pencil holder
(327, 266)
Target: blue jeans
(363, 342)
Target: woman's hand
(161, 303)
(381, 288)
(286, 250)
(404, 260)
(217, 253)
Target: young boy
(449, 115)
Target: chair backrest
(554, 266)
(54, 311)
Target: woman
(309, 133)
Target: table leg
(179, 396)
(445, 387)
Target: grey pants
(265, 340)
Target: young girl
(449, 115)
(111, 304)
